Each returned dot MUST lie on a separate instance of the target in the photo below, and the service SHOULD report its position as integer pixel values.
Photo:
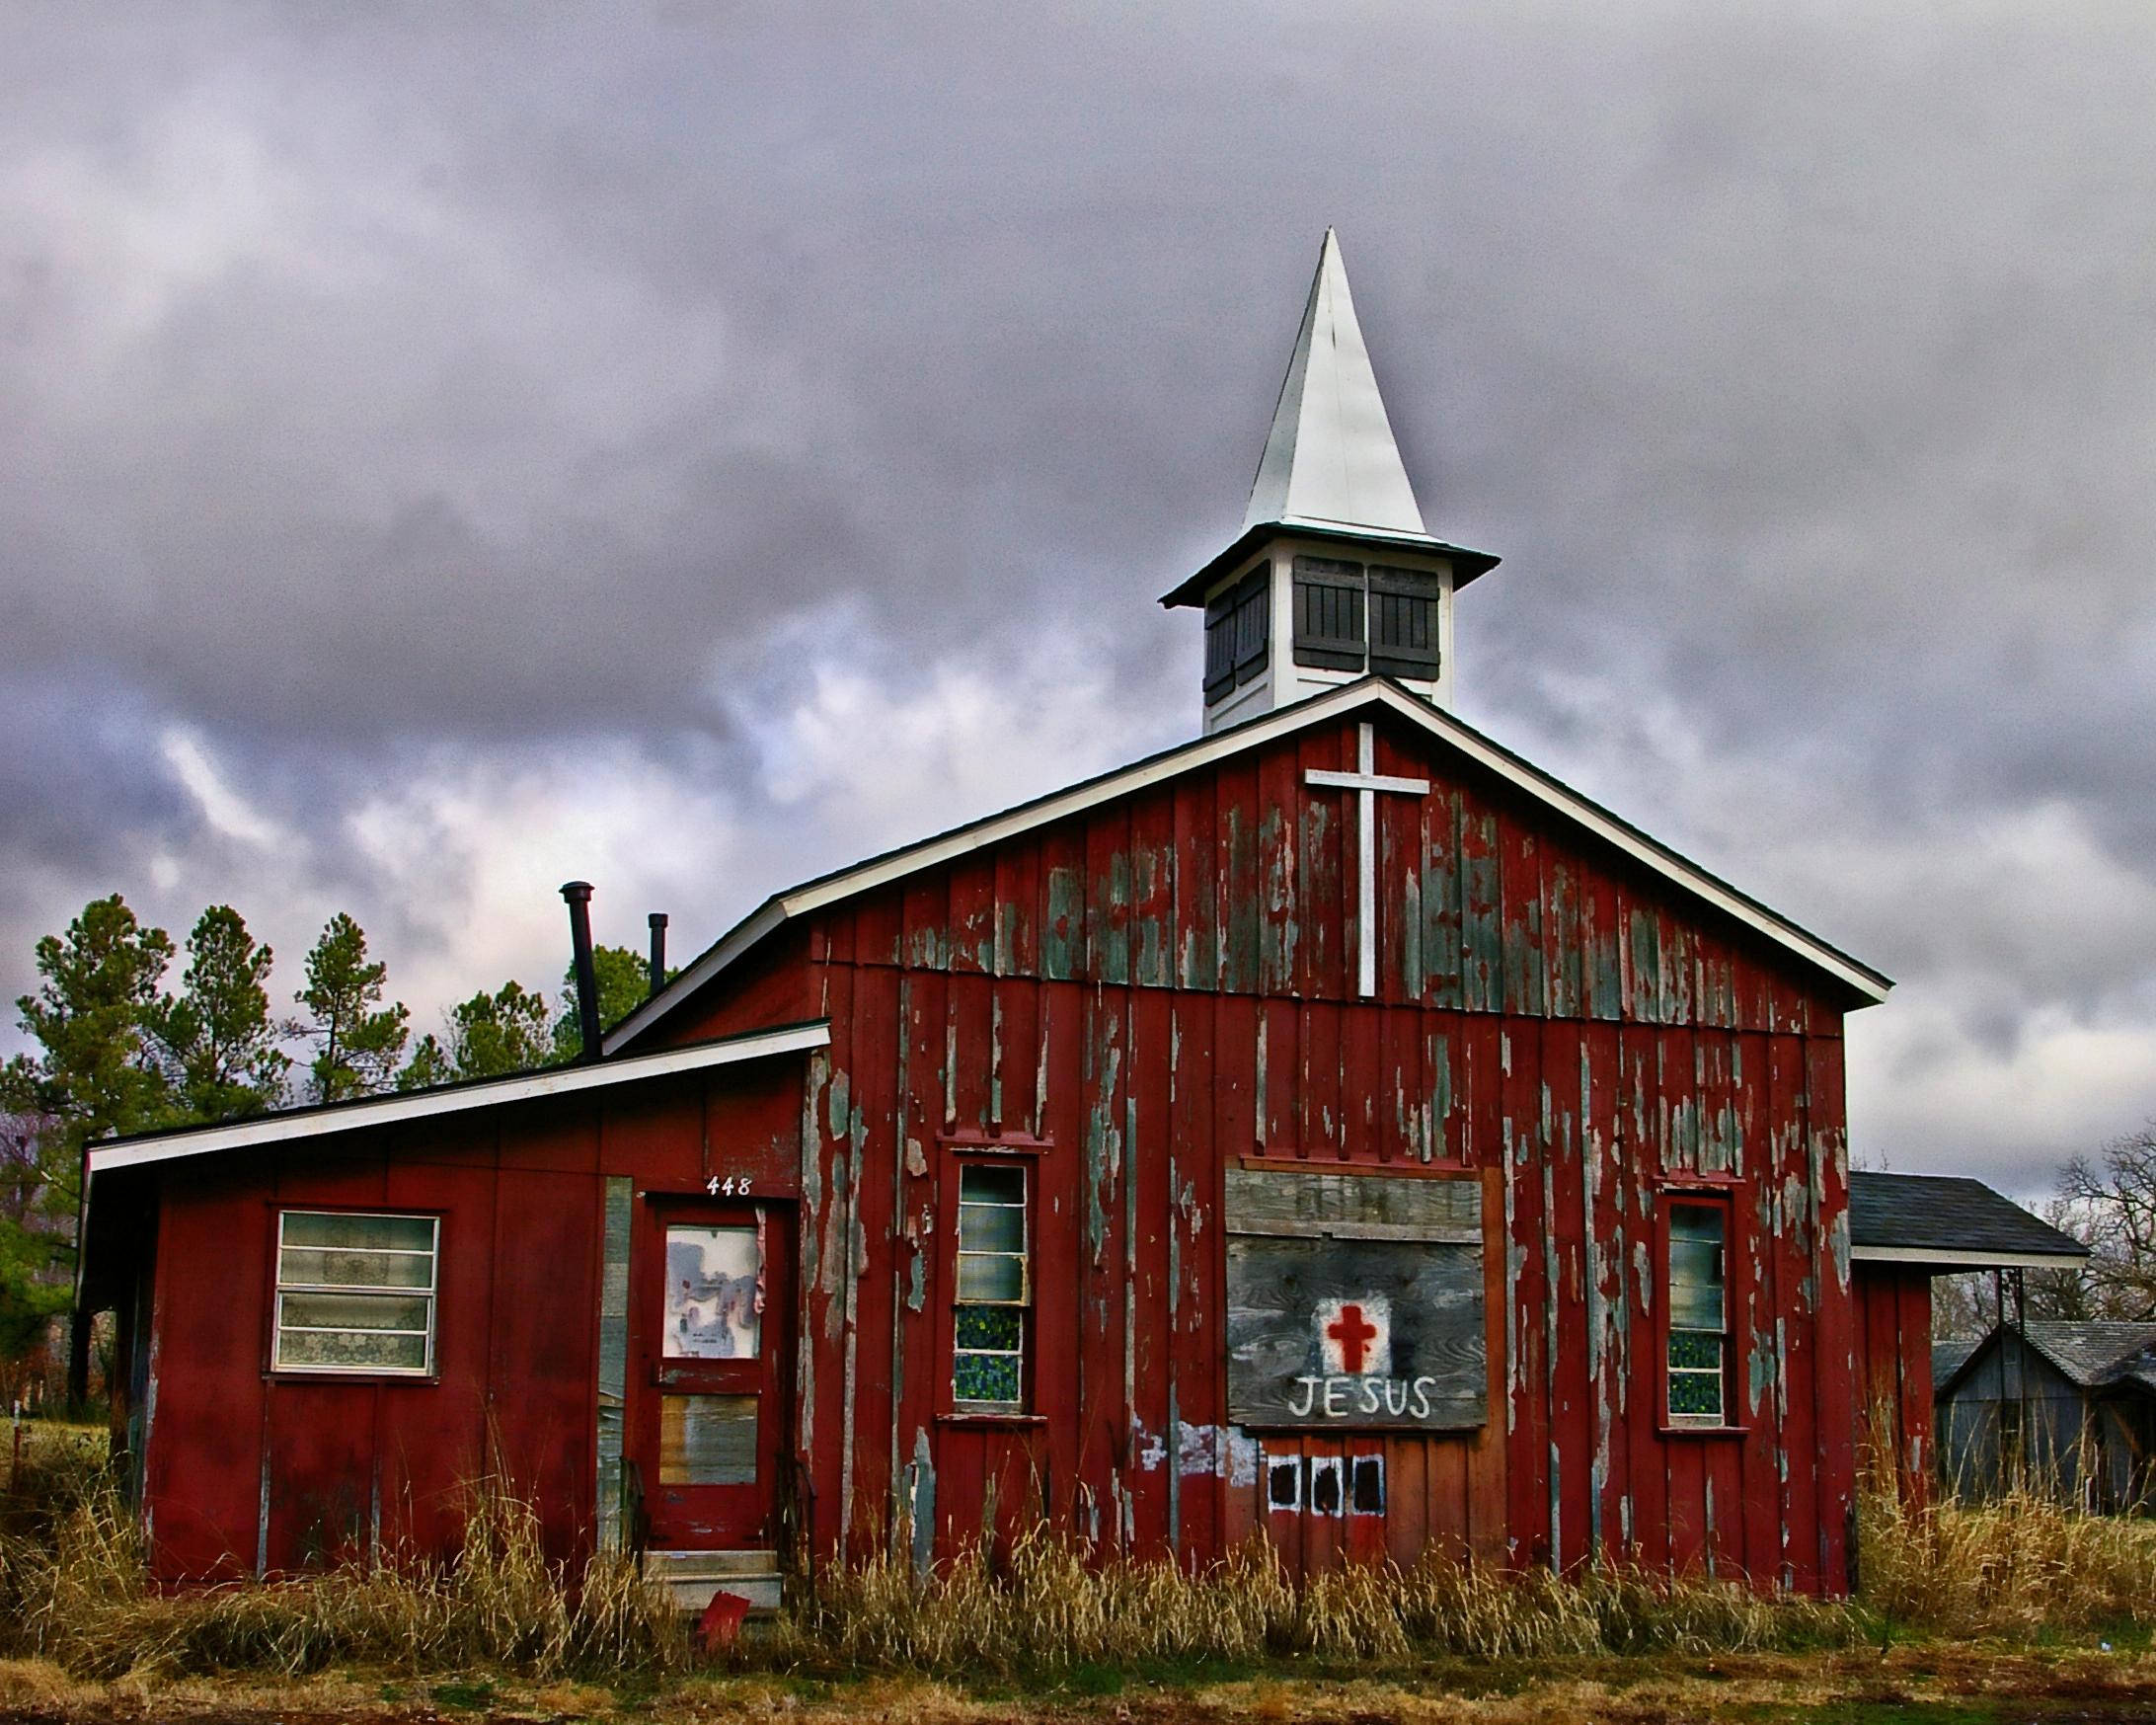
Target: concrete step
(692, 1577)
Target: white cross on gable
(1366, 781)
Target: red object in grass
(721, 1625)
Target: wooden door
(713, 1296)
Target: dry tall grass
(1046, 1602)
(74, 1588)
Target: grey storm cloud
(387, 382)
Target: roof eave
(1948, 1261)
(1466, 565)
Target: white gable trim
(1317, 710)
(278, 1129)
(1966, 1258)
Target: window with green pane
(994, 1288)
(1698, 1315)
(356, 1293)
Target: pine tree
(508, 1030)
(359, 1039)
(624, 981)
(428, 1065)
(217, 1040)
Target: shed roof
(1947, 1358)
(1950, 1222)
(1863, 985)
(2091, 1353)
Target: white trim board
(1335, 704)
(275, 1128)
(1965, 1258)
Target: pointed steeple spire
(1331, 456)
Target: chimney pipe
(658, 920)
(579, 895)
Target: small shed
(2064, 1408)
(1905, 1230)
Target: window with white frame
(995, 1294)
(1698, 1314)
(356, 1293)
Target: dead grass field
(1939, 1684)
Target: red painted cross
(1352, 1334)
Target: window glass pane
(992, 1378)
(714, 1292)
(986, 1183)
(1691, 1351)
(991, 1326)
(1695, 1221)
(1695, 1393)
(992, 1227)
(356, 1312)
(409, 1233)
(991, 1276)
(322, 1267)
(707, 1440)
(1695, 1284)
(351, 1351)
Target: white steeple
(1331, 456)
(1334, 577)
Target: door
(713, 1294)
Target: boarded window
(356, 1293)
(1698, 1306)
(1238, 631)
(707, 1440)
(1404, 623)
(1354, 1301)
(1329, 622)
(994, 1288)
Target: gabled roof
(2099, 1354)
(1947, 1358)
(1950, 1222)
(1366, 694)
(323, 1119)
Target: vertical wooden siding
(1165, 983)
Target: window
(356, 1293)
(1404, 622)
(994, 1288)
(1698, 1308)
(1326, 1496)
(1237, 633)
(1329, 630)
(1284, 1483)
(1369, 1491)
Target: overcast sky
(446, 450)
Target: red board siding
(1174, 989)
(1893, 1319)
(245, 1471)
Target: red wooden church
(1335, 1128)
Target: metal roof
(1865, 983)
(1330, 455)
(1331, 466)
(322, 1119)
(1950, 1222)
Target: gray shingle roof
(1949, 1213)
(1947, 1360)
(2094, 1353)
